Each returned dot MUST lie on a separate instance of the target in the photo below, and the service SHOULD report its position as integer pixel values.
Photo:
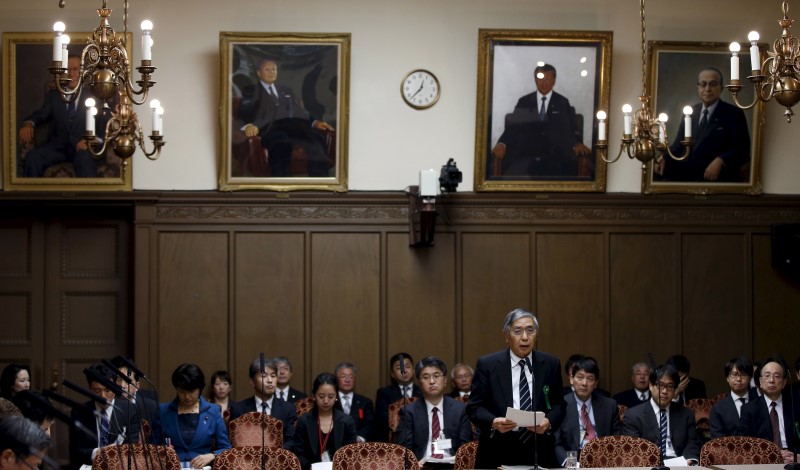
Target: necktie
(587, 424)
(436, 429)
(71, 107)
(525, 401)
(543, 110)
(643, 396)
(104, 430)
(346, 405)
(663, 427)
(743, 402)
(703, 122)
(776, 430)
(406, 393)
(281, 395)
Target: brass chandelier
(106, 70)
(644, 136)
(777, 77)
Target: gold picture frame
(26, 57)
(673, 75)
(542, 153)
(281, 143)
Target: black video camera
(449, 177)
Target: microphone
(94, 376)
(88, 394)
(261, 364)
(118, 373)
(71, 403)
(131, 366)
(402, 365)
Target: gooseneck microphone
(263, 370)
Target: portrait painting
(538, 93)
(44, 147)
(284, 108)
(726, 141)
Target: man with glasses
(358, 406)
(435, 427)
(724, 419)
(720, 138)
(23, 444)
(666, 424)
(770, 416)
(284, 390)
(522, 378)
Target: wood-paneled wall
(327, 278)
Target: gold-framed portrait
(538, 93)
(284, 105)
(726, 141)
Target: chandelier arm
(157, 143)
(687, 148)
(756, 98)
(604, 154)
(109, 137)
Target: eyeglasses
(528, 331)
(737, 375)
(463, 376)
(668, 387)
(346, 376)
(776, 376)
(428, 377)
(711, 84)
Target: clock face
(420, 89)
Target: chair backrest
(463, 399)
(394, 415)
(115, 457)
(226, 416)
(621, 409)
(465, 455)
(719, 397)
(374, 456)
(249, 458)
(246, 430)
(303, 406)
(619, 451)
(739, 450)
(702, 412)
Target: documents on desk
(518, 467)
(524, 419)
(676, 462)
(450, 459)
(322, 466)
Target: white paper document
(676, 462)
(322, 466)
(524, 418)
(451, 459)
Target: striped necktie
(104, 434)
(663, 427)
(525, 401)
(436, 429)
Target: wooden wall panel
(642, 299)
(193, 288)
(716, 311)
(570, 295)
(268, 288)
(776, 307)
(496, 278)
(420, 298)
(346, 303)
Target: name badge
(326, 457)
(442, 444)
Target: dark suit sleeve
(45, 113)
(405, 430)
(632, 425)
(692, 449)
(464, 431)
(80, 444)
(715, 421)
(368, 420)
(480, 398)
(300, 445)
(381, 423)
(350, 435)
(555, 395)
(290, 423)
(616, 426)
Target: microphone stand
(533, 405)
(263, 414)
(403, 409)
(795, 428)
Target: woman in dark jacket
(326, 428)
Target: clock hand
(422, 84)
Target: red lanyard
(323, 443)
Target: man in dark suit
(541, 137)
(770, 416)
(724, 419)
(67, 125)
(640, 393)
(721, 139)
(23, 445)
(358, 406)
(587, 414)
(436, 426)
(689, 388)
(263, 382)
(284, 390)
(402, 370)
(520, 378)
(113, 423)
(461, 375)
(275, 113)
(145, 406)
(679, 436)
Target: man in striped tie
(669, 425)
(517, 377)
(587, 414)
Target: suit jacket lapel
(504, 369)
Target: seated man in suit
(667, 424)
(724, 419)
(438, 425)
(689, 388)
(114, 424)
(640, 393)
(358, 406)
(263, 382)
(587, 414)
(461, 375)
(23, 445)
(284, 390)
(770, 416)
(146, 407)
(401, 367)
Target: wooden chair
(739, 450)
(115, 457)
(249, 458)
(374, 456)
(465, 456)
(246, 430)
(303, 406)
(702, 412)
(394, 415)
(619, 451)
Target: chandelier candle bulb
(58, 28)
(147, 40)
(626, 119)
(64, 51)
(755, 59)
(154, 105)
(90, 113)
(687, 121)
(662, 127)
(601, 125)
(735, 48)
(160, 114)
